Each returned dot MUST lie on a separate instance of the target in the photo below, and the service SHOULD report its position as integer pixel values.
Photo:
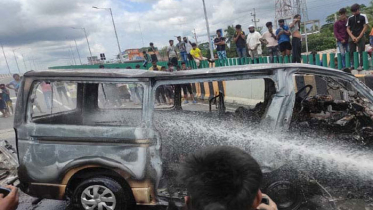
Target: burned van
(115, 138)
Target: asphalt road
(6, 133)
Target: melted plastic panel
(340, 111)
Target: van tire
(124, 199)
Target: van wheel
(287, 195)
(102, 193)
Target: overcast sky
(40, 33)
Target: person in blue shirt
(283, 37)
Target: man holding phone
(224, 178)
(10, 201)
(240, 40)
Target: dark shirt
(340, 30)
(219, 47)
(241, 43)
(356, 24)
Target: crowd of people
(286, 40)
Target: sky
(39, 33)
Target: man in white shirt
(269, 38)
(172, 53)
(253, 43)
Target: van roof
(206, 72)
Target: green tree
(231, 46)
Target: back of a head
(221, 178)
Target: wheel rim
(285, 194)
(98, 197)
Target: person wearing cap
(283, 37)
(270, 40)
(172, 53)
(152, 52)
(182, 49)
(253, 43)
(240, 40)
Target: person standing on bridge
(152, 52)
(297, 39)
(283, 37)
(172, 53)
(182, 49)
(357, 24)
(253, 43)
(240, 40)
(14, 85)
(219, 41)
(340, 33)
(270, 39)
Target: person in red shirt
(340, 33)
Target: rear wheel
(102, 193)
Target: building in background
(94, 60)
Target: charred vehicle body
(106, 143)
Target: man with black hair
(172, 53)
(340, 33)
(297, 39)
(225, 178)
(283, 37)
(155, 67)
(357, 24)
(219, 41)
(14, 85)
(197, 54)
(188, 46)
(240, 40)
(270, 40)
(147, 59)
(137, 66)
(152, 52)
(182, 49)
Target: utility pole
(15, 58)
(76, 45)
(254, 20)
(6, 60)
(115, 30)
(143, 45)
(195, 36)
(208, 31)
